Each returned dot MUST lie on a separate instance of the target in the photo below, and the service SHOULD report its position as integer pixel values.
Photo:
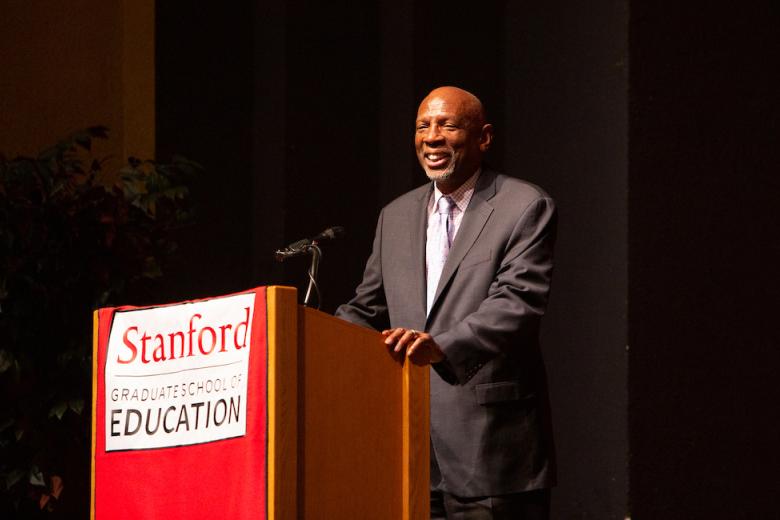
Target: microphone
(302, 247)
(331, 233)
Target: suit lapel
(418, 225)
(471, 226)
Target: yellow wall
(69, 65)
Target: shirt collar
(460, 196)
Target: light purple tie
(438, 248)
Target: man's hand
(419, 347)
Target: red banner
(179, 415)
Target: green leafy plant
(70, 241)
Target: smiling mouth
(436, 160)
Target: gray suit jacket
(490, 429)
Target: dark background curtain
(653, 125)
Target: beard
(438, 174)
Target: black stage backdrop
(703, 242)
(303, 113)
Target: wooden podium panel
(357, 445)
(282, 402)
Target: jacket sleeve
(510, 315)
(369, 307)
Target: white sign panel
(177, 375)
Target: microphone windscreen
(330, 234)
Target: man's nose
(432, 135)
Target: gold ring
(414, 332)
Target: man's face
(450, 138)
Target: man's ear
(486, 137)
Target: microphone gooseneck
(310, 246)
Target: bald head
(469, 104)
(451, 136)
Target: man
(459, 278)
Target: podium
(348, 425)
(345, 427)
